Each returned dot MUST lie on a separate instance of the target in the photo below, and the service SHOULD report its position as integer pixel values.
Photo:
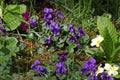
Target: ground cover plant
(59, 40)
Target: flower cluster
(60, 66)
(55, 28)
(49, 16)
(2, 28)
(37, 67)
(89, 66)
(105, 72)
(75, 34)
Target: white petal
(116, 67)
(0, 12)
(115, 73)
(110, 73)
(92, 44)
(107, 66)
(97, 45)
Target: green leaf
(20, 9)
(65, 28)
(108, 31)
(71, 47)
(10, 44)
(104, 24)
(12, 21)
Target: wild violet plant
(59, 67)
(63, 36)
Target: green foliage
(71, 47)
(5, 70)
(8, 47)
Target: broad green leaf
(11, 44)
(104, 24)
(12, 21)
(108, 31)
(20, 9)
(10, 7)
(9, 48)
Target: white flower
(96, 41)
(1, 12)
(111, 69)
(99, 70)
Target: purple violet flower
(70, 27)
(105, 76)
(89, 65)
(62, 57)
(3, 30)
(93, 78)
(72, 38)
(80, 32)
(48, 40)
(48, 10)
(58, 13)
(40, 68)
(78, 44)
(48, 23)
(37, 62)
(60, 67)
(47, 16)
(55, 28)
(32, 22)
(59, 64)
(37, 67)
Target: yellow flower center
(98, 41)
(112, 68)
(98, 71)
